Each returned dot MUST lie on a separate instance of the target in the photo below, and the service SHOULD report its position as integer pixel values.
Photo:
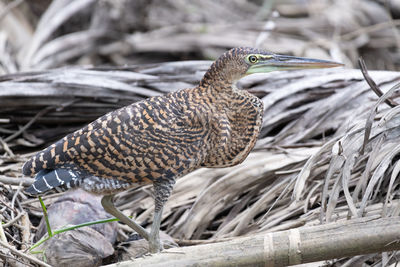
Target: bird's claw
(155, 245)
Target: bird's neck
(219, 78)
(212, 84)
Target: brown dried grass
(328, 149)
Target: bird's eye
(252, 59)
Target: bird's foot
(155, 246)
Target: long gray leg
(162, 191)
(108, 206)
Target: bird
(159, 139)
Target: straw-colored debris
(329, 147)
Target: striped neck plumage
(222, 75)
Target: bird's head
(239, 62)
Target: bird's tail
(50, 157)
(46, 180)
(43, 160)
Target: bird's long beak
(281, 62)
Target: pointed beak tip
(333, 64)
(315, 65)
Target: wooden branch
(295, 246)
(16, 181)
(23, 255)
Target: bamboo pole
(294, 246)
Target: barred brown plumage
(161, 138)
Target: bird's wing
(140, 143)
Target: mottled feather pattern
(163, 137)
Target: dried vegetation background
(329, 148)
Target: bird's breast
(237, 130)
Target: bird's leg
(154, 241)
(162, 191)
(108, 206)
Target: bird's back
(158, 138)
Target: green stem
(59, 231)
(45, 217)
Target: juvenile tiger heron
(159, 139)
